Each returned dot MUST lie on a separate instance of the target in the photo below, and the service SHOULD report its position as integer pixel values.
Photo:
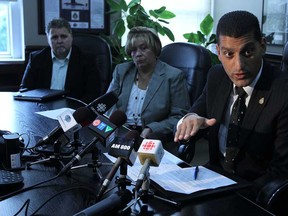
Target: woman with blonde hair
(152, 93)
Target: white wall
(254, 6)
(223, 6)
(32, 37)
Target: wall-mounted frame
(83, 15)
(275, 21)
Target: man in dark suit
(62, 65)
(259, 153)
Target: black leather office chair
(96, 46)
(191, 58)
(195, 61)
(274, 197)
(284, 62)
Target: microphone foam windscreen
(84, 116)
(118, 118)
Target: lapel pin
(261, 101)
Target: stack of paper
(173, 178)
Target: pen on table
(196, 172)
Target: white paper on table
(54, 113)
(172, 177)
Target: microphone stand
(96, 164)
(122, 181)
(76, 143)
(56, 158)
(144, 194)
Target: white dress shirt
(59, 71)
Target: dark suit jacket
(82, 80)
(264, 140)
(166, 100)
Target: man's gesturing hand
(190, 126)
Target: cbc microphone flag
(151, 149)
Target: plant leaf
(123, 5)
(186, 35)
(169, 33)
(159, 28)
(201, 37)
(119, 28)
(153, 13)
(160, 10)
(206, 25)
(164, 21)
(167, 15)
(133, 3)
(114, 5)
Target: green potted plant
(134, 14)
(204, 36)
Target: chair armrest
(274, 196)
(186, 149)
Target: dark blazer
(82, 80)
(166, 99)
(264, 140)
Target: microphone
(118, 118)
(110, 204)
(150, 153)
(82, 117)
(124, 153)
(104, 128)
(102, 104)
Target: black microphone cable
(77, 100)
(63, 171)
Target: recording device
(83, 116)
(150, 153)
(125, 153)
(109, 205)
(118, 118)
(11, 148)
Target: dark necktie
(234, 129)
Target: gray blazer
(167, 98)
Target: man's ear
(218, 51)
(263, 45)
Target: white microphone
(68, 122)
(150, 153)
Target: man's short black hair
(238, 23)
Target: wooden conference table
(69, 194)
